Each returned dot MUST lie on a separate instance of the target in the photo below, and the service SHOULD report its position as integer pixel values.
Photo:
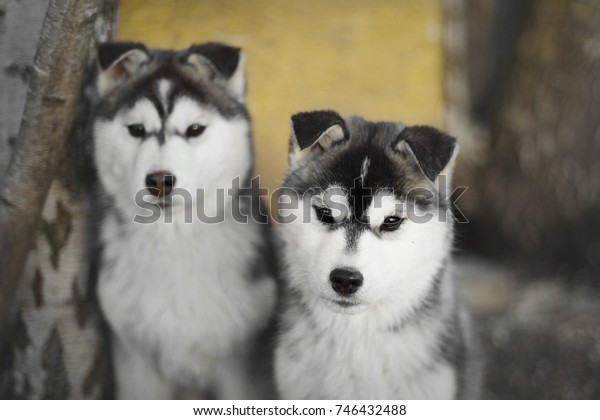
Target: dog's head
(170, 123)
(372, 225)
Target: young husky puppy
(183, 282)
(370, 308)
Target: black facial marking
(360, 197)
(166, 65)
(365, 166)
(353, 232)
(160, 136)
(155, 99)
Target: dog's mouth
(344, 306)
(345, 303)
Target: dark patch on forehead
(165, 65)
(345, 168)
(158, 103)
(382, 174)
(353, 231)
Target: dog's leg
(136, 379)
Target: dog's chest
(184, 299)
(361, 362)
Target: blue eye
(137, 130)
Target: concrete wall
(379, 59)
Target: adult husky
(183, 280)
(370, 308)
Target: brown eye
(194, 130)
(137, 130)
(390, 224)
(324, 215)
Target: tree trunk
(19, 34)
(49, 343)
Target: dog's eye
(324, 215)
(390, 224)
(194, 130)
(137, 130)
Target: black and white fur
(404, 333)
(185, 302)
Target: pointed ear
(314, 132)
(118, 61)
(433, 151)
(219, 61)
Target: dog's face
(170, 124)
(373, 227)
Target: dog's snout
(346, 281)
(160, 183)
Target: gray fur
(187, 304)
(406, 332)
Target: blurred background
(381, 59)
(516, 81)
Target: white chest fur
(353, 357)
(182, 295)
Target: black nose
(345, 281)
(160, 184)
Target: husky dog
(370, 310)
(184, 297)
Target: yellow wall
(379, 59)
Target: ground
(541, 336)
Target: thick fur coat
(370, 308)
(185, 287)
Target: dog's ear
(118, 61)
(314, 132)
(219, 61)
(434, 152)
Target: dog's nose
(345, 281)
(161, 183)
